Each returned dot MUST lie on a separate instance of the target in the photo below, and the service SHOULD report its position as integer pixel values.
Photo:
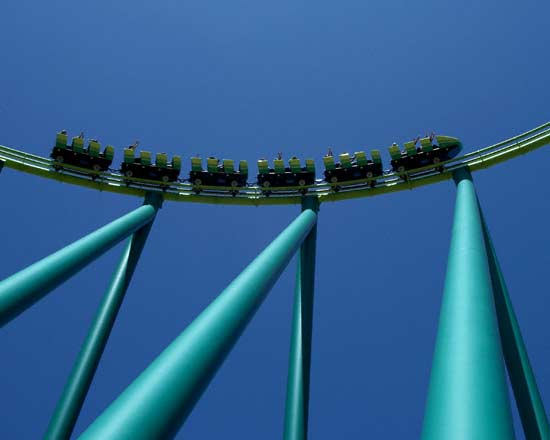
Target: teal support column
(528, 400)
(468, 395)
(69, 405)
(157, 403)
(297, 393)
(26, 287)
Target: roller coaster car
(358, 167)
(75, 154)
(279, 176)
(427, 154)
(217, 174)
(142, 168)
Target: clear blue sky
(246, 79)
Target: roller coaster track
(474, 287)
(253, 195)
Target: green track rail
(255, 196)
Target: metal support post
(157, 403)
(297, 393)
(528, 400)
(2, 162)
(468, 395)
(21, 290)
(69, 405)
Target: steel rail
(254, 195)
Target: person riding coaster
(141, 167)
(429, 153)
(76, 154)
(354, 167)
(281, 176)
(218, 174)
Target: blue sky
(246, 79)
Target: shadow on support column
(528, 400)
(297, 397)
(468, 394)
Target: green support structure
(528, 400)
(297, 394)
(69, 405)
(21, 290)
(468, 394)
(157, 403)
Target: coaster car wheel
(55, 166)
(436, 160)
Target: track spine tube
(70, 403)
(26, 287)
(468, 393)
(157, 403)
(297, 397)
(528, 400)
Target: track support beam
(528, 400)
(468, 395)
(297, 394)
(21, 290)
(69, 405)
(157, 403)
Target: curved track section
(253, 195)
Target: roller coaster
(224, 177)
(254, 194)
(463, 401)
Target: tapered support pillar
(468, 396)
(23, 289)
(297, 393)
(68, 408)
(530, 406)
(157, 403)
